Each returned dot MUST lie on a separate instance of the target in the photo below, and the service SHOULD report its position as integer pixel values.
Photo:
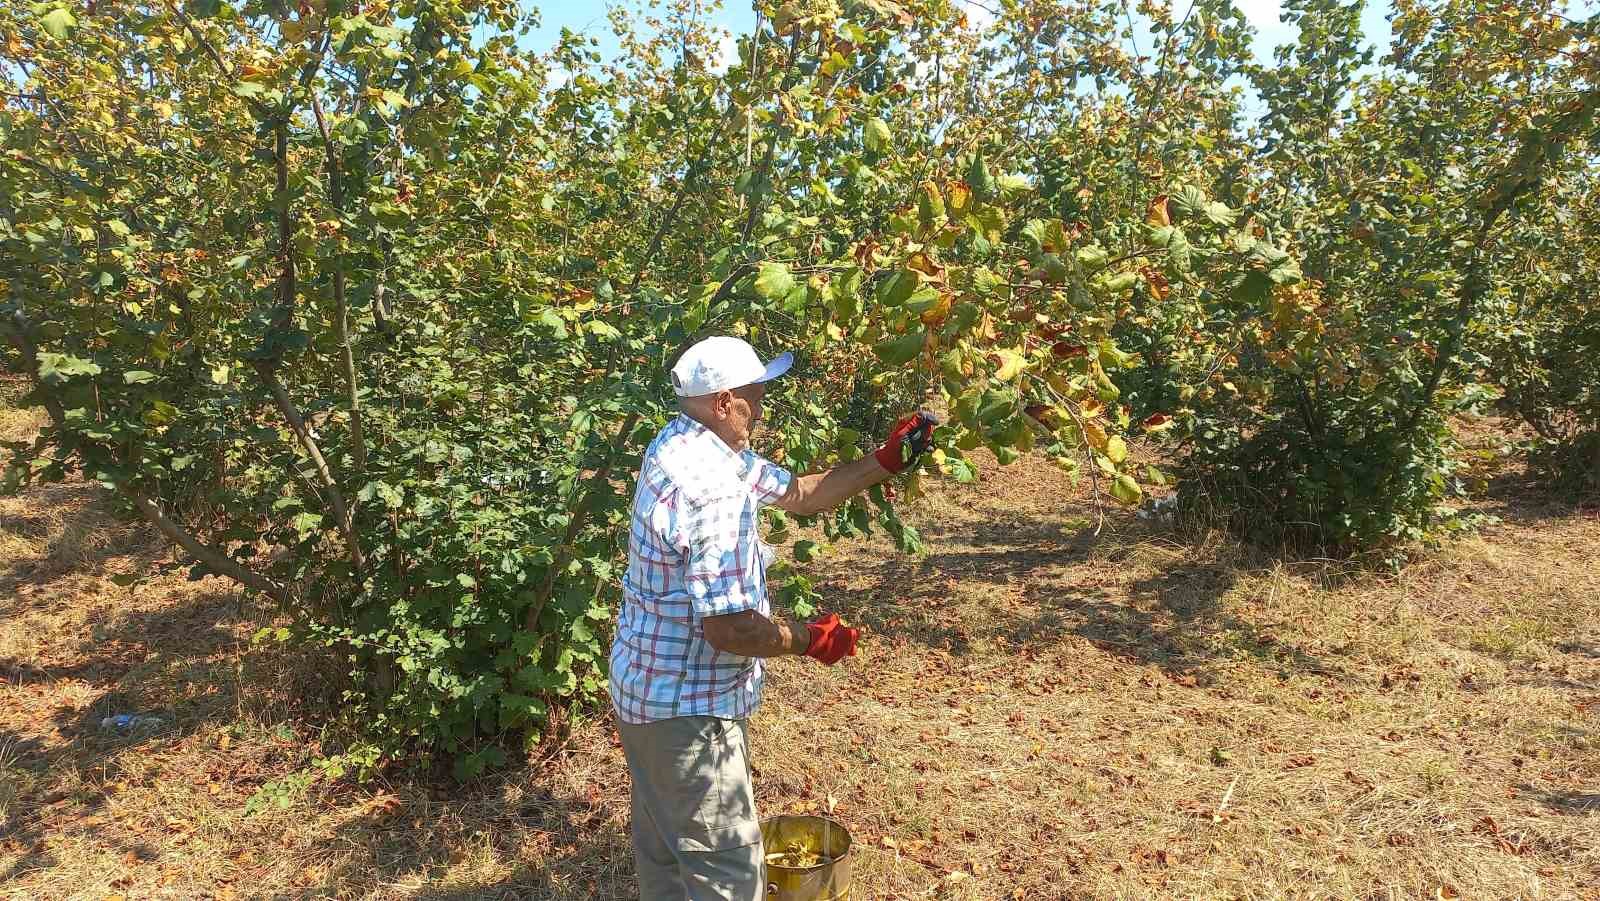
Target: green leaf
(899, 350)
(979, 178)
(774, 281)
(58, 23)
(138, 377)
(844, 293)
(603, 330)
(1093, 257)
(1219, 213)
(962, 318)
(995, 405)
(1126, 490)
(898, 287)
(961, 470)
(1253, 287)
(877, 136)
(1180, 253)
(1013, 184)
(1285, 273)
(1117, 285)
(581, 630)
(1034, 233)
(391, 496)
(1188, 201)
(553, 322)
(56, 368)
(805, 551)
(466, 581)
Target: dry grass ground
(1038, 712)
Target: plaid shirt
(694, 551)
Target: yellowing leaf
(958, 198)
(1095, 434)
(1116, 449)
(1008, 364)
(1157, 215)
(938, 312)
(294, 30)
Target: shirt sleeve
(719, 572)
(769, 482)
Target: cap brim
(779, 365)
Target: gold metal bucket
(828, 880)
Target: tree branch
(297, 424)
(671, 216)
(790, 76)
(213, 557)
(341, 322)
(283, 317)
(205, 42)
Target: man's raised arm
(819, 491)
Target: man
(695, 624)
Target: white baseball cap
(722, 363)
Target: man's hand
(831, 641)
(910, 439)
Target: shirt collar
(714, 447)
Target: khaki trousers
(695, 832)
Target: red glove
(831, 641)
(912, 436)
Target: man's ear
(722, 404)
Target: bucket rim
(850, 841)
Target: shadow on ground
(180, 666)
(1568, 802)
(565, 848)
(77, 531)
(1049, 580)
